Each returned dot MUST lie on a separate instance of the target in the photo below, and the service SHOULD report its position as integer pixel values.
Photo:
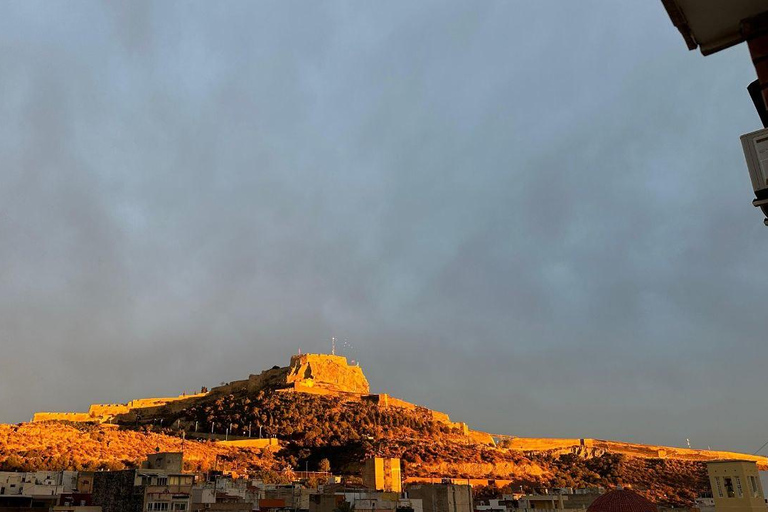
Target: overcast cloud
(534, 216)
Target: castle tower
(736, 486)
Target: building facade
(160, 486)
(382, 474)
(736, 486)
(443, 497)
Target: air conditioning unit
(755, 147)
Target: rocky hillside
(320, 407)
(85, 447)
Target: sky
(533, 216)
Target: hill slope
(320, 407)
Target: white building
(37, 483)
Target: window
(719, 487)
(728, 482)
(754, 487)
(179, 506)
(162, 480)
(157, 506)
(738, 486)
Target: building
(209, 498)
(362, 501)
(544, 502)
(496, 505)
(714, 25)
(116, 491)
(77, 499)
(382, 474)
(76, 508)
(158, 487)
(622, 500)
(85, 482)
(382, 503)
(736, 486)
(17, 503)
(37, 483)
(165, 461)
(326, 502)
(442, 497)
(705, 503)
(560, 499)
(40, 489)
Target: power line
(758, 450)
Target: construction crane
(714, 25)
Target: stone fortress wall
(320, 374)
(103, 413)
(78, 417)
(332, 375)
(587, 447)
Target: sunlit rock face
(326, 372)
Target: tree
(324, 466)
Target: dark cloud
(532, 216)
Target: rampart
(79, 417)
(252, 443)
(481, 437)
(591, 447)
(102, 413)
(107, 410)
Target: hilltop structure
(334, 376)
(307, 373)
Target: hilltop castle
(308, 373)
(320, 374)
